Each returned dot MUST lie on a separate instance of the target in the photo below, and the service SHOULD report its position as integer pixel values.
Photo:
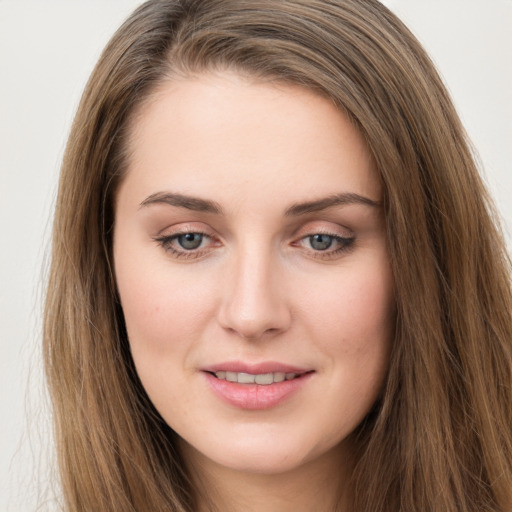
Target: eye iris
(320, 242)
(190, 240)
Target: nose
(254, 303)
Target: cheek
(165, 314)
(349, 318)
(352, 323)
(163, 308)
(354, 311)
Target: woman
(277, 283)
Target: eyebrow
(183, 201)
(207, 206)
(328, 202)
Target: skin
(258, 288)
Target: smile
(256, 387)
(263, 379)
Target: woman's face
(252, 266)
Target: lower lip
(254, 396)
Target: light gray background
(47, 50)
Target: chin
(264, 462)
(269, 455)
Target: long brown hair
(440, 439)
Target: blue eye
(190, 244)
(321, 242)
(326, 246)
(190, 241)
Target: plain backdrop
(47, 50)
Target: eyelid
(343, 237)
(342, 245)
(168, 235)
(343, 242)
(185, 227)
(324, 228)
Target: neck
(321, 484)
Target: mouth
(256, 387)
(262, 379)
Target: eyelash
(345, 245)
(166, 242)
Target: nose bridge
(254, 302)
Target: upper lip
(255, 369)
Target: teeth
(247, 378)
(279, 377)
(263, 379)
(232, 376)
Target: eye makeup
(190, 244)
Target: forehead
(244, 142)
